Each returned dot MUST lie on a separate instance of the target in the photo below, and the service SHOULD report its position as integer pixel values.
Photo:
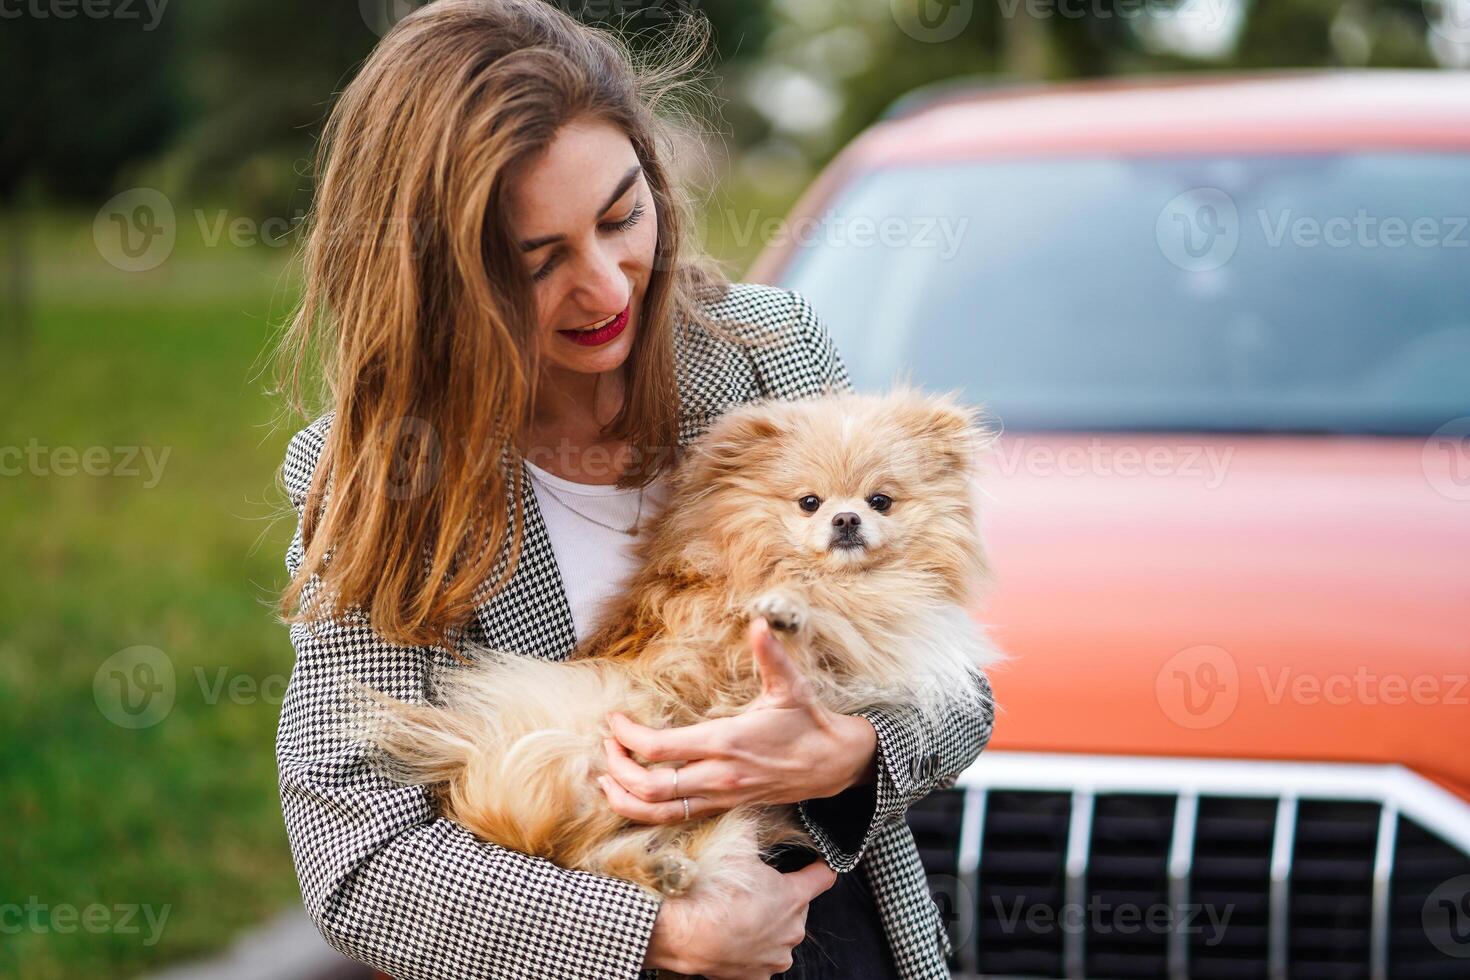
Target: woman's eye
(880, 502)
(810, 503)
(622, 224)
(625, 223)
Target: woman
(515, 346)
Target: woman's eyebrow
(626, 181)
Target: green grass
(183, 815)
(180, 818)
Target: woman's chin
(592, 359)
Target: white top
(586, 524)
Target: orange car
(1225, 324)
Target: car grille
(1101, 867)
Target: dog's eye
(810, 503)
(880, 502)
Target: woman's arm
(914, 758)
(387, 881)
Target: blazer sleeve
(386, 880)
(914, 757)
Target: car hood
(1297, 597)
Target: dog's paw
(673, 875)
(784, 613)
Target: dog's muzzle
(847, 532)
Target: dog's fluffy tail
(514, 746)
(475, 712)
(507, 737)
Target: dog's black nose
(846, 521)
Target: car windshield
(1322, 292)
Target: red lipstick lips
(595, 338)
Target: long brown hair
(419, 310)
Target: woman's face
(587, 226)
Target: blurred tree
(261, 74)
(85, 96)
(1329, 33)
(906, 45)
(264, 74)
(1297, 33)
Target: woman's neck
(571, 398)
(565, 435)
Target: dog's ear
(734, 441)
(951, 432)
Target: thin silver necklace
(631, 532)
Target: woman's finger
(688, 743)
(626, 805)
(781, 680)
(712, 779)
(650, 785)
(812, 880)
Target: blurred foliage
(1327, 33)
(84, 97)
(224, 99)
(262, 74)
(183, 816)
(871, 53)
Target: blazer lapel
(530, 614)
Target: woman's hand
(786, 748)
(751, 937)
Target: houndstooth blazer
(390, 883)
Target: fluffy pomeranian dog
(846, 521)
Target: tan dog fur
(514, 744)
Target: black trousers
(844, 934)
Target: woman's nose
(602, 286)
